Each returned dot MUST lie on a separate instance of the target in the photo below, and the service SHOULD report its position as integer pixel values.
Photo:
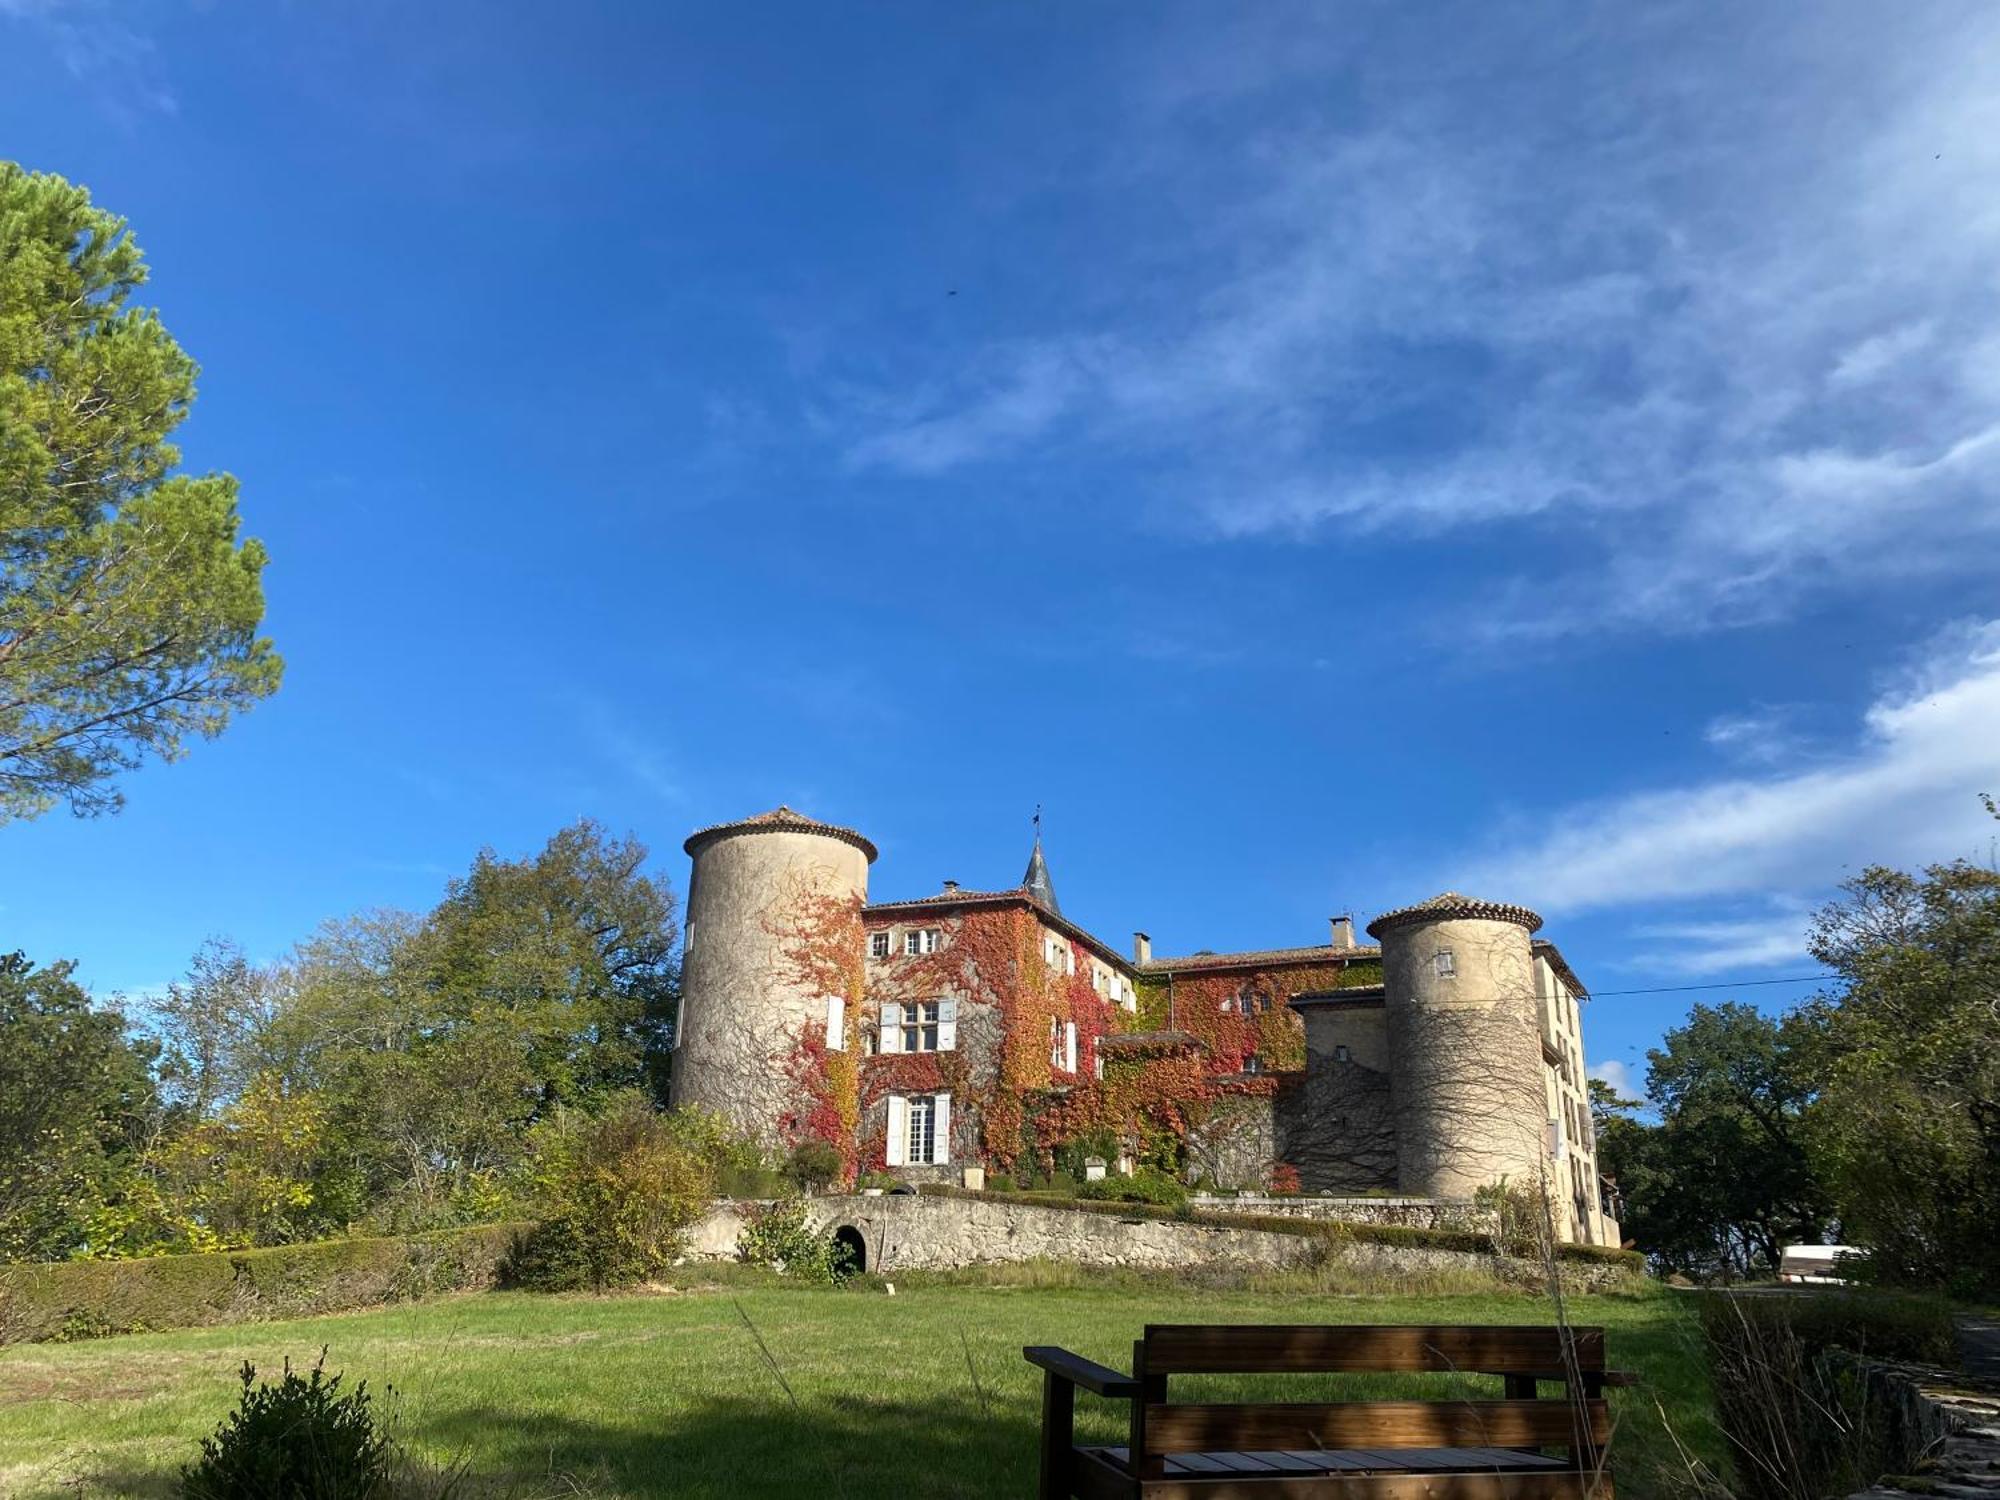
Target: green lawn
(923, 1393)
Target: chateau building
(986, 1029)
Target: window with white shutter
(836, 1023)
(1055, 1044)
(889, 1028)
(897, 1145)
(1069, 1046)
(947, 1030)
(920, 941)
(878, 945)
(941, 1110)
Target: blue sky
(1323, 453)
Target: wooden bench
(1450, 1449)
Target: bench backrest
(1282, 1348)
(1522, 1355)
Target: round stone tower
(773, 903)
(1464, 1044)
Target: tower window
(878, 945)
(920, 940)
(1341, 1054)
(1445, 964)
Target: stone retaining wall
(1412, 1213)
(901, 1232)
(1944, 1436)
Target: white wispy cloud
(1764, 735)
(98, 45)
(1772, 940)
(1740, 343)
(1620, 1078)
(638, 758)
(1903, 793)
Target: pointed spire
(1040, 888)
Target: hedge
(90, 1298)
(1475, 1241)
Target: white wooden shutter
(889, 1033)
(899, 1130)
(836, 1023)
(1069, 1045)
(947, 1025)
(941, 1105)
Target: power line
(1723, 984)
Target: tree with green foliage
(572, 950)
(129, 608)
(436, 1043)
(207, 1023)
(1906, 1130)
(76, 1106)
(1724, 1180)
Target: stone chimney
(1142, 948)
(951, 887)
(1343, 931)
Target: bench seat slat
(1242, 1463)
(1277, 1348)
(1102, 1472)
(1198, 1427)
(1273, 1462)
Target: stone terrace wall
(909, 1232)
(1413, 1213)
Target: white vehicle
(1815, 1265)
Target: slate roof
(1356, 996)
(1041, 890)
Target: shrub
(1520, 1217)
(736, 1163)
(1147, 1185)
(90, 1298)
(781, 1236)
(301, 1439)
(1284, 1180)
(622, 1191)
(814, 1165)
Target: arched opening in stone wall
(850, 1252)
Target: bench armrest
(1098, 1379)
